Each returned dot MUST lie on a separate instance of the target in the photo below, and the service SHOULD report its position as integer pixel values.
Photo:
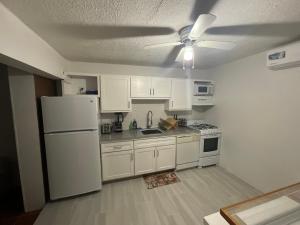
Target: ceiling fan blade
(163, 45)
(202, 23)
(179, 57)
(223, 45)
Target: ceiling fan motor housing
(184, 34)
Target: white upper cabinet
(150, 87)
(161, 87)
(140, 87)
(115, 93)
(181, 97)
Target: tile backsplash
(140, 109)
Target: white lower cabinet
(165, 157)
(144, 160)
(153, 155)
(117, 165)
(117, 160)
(131, 158)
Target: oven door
(210, 145)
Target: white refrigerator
(72, 145)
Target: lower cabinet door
(117, 165)
(165, 157)
(144, 160)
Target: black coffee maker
(118, 123)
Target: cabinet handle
(157, 153)
(153, 91)
(117, 147)
(131, 156)
(128, 104)
(150, 91)
(154, 153)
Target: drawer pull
(118, 147)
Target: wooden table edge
(231, 221)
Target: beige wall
(258, 110)
(27, 138)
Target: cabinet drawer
(188, 138)
(117, 146)
(153, 142)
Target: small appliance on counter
(117, 125)
(106, 128)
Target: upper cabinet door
(140, 87)
(181, 98)
(115, 93)
(161, 87)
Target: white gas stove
(203, 127)
(210, 142)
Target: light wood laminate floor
(200, 192)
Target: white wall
(27, 139)
(258, 111)
(103, 68)
(140, 109)
(22, 48)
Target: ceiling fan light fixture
(188, 53)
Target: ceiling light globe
(188, 54)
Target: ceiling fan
(189, 39)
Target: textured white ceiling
(84, 30)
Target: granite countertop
(128, 135)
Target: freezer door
(69, 113)
(73, 161)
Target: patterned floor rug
(157, 180)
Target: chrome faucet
(149, 119)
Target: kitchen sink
(151, 131)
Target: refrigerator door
(73, 161)
(69, 113)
